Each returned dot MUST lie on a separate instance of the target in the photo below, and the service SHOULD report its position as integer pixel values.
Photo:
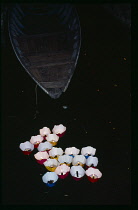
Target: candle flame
(28, 149)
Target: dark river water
(98, 114)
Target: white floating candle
(88, 151)
(44, 146)
(92, 161)
(26, 147)
(72, 151)
(52, 138)
(79, 160)
(51, 164)
(77, 172)
(50, 178)
(65, 159)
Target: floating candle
(92, 161)
(26, 147)
(41, 157)
(93, 174)
(77, 172)
(62, 171)
(65, 159)
(79, 160)
(51, 164)
(55, 152)
(59, 130)
(44, 146)
(52, 138)
(50, 178)
(72, 151)
(86, 151)
(44, 132)
(36, 140)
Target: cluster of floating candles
(60, 163)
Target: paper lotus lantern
(26, 147)
(65, 159)
(72, 151)
(87, 151)
(92, 161)
(36, 140)
(50, 178)
(52, 138)
(59, 130)
(41, 157)
(44, 132)
(78, 160)
(77, 172)
(62, 171)
(51, 164)
(44, 146)
(93, 174)
(55, 152)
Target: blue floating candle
(50, 179)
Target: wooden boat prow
(50, 58)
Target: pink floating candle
(62, 171)
(44, 132)
(26, 147)
(93, 174)
(59, 130)
(77, 172)
(41, 157)
(36, 140)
